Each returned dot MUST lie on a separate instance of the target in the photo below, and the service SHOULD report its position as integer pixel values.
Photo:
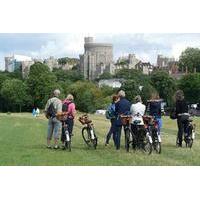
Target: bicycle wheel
(86, 136)
(127, 139)
(147, 146)
(158, 147)
(68, 145)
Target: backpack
(51, 111)
(110, 112)
(65, 106)
(172, 114)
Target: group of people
(55, 125)
(119, 106)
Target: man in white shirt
(137, 110)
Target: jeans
(182, 127)
(117, 136)
(54, 126)
(111, 131)
(159, 120)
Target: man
(52, 108)
(70, 108)
(122, 107)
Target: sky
(145, 46)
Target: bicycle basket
(126, 119)
(84, 120)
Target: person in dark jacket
(155, 109)
(111, 131)
(122, 107)
(181, 111)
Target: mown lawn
(23, 140)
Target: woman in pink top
(70, 108)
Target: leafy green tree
(190, 84)
(15, 92)
(41, 83)
(105, 75)
(133, 88)
(66, 75)
(165, 85)
(190, 58)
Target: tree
(190, 84)
(65, 75)
(165, 85)
(190, 58)
(41, 83)
(15, 92)
(133, 88)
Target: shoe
(106, 144)
(48, 147)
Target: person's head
(179, 95)
(155, 96)
(115, 98)
(70, 97)
(121, 93)
(138, 99)
(56, 93)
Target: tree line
(17, 94)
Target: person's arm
(72, 109)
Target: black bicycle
(189, 131)
(139, 139)
(151, 125)
(88, 131)
(67, 137)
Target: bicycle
(88, 131)
(67, 137)
(151, 125)
(67, 141)
(141, 141)
(189, 131)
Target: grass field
(23, 140)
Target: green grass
(23, 140)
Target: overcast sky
(145, 46)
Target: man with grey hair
(52, 108)
(122, 107)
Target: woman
(137, 111)
(181, 114)
(155, 110)
(70, 108)
(112, 114)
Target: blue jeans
(117, 136)
(159, 120)
(111, 131)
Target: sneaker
(48, 147)
(106, 144)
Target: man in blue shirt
(122, 107)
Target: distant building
(51, 62)
(164, 61)
(145, 67)
(97, 58)
(14, 62)
(127, 62)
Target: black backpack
(65, 106)
(51, 111)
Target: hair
(70, 97)
(114, 98)
(155, 96)
(121, 93)
(138, 99)
(56, 93)
(179, 95)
